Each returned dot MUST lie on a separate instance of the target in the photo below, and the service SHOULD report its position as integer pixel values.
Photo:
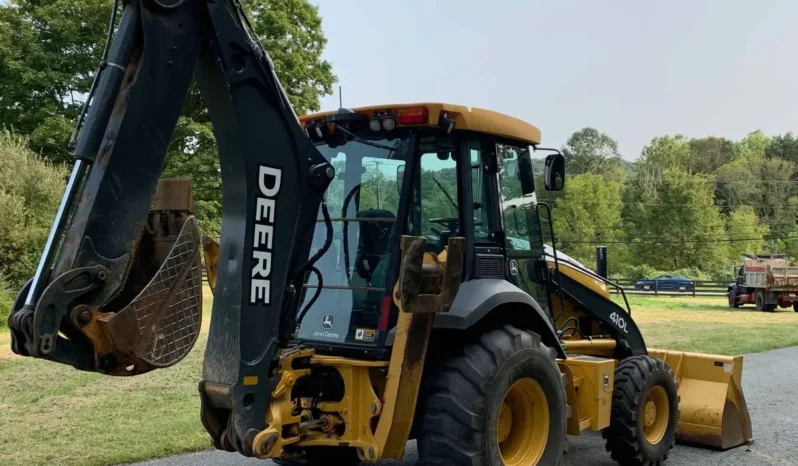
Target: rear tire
(645, 412)
(466, 410)
(795, 306)
(323, 456)
(759, 299)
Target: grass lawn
(53, 414)
(708, 325)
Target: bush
(6, 301)
(638, 272)
(693, 274)
(30, 191)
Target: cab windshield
(364, 200)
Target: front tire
(645, 412)
(733, 299)
(501, 402)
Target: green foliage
(744, 223)
(709, 153)
(49, 52)
(6, 301)
(680, 211)
(47, 59)
(784, 147)
(590, 151)
(294, 39)
(589, 212)
(30, 190)
(665, 152)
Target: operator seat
(373, 244)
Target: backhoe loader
(373, 282)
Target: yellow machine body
(381, 396)
(589, 384)
(377, 411)
(713, 411)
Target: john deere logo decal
(513, 267)
(328, 321)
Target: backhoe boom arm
(99, 300)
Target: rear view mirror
(555, 172)
(400, 175)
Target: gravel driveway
(770, 384)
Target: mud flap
(713, 412)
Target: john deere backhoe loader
(372, 282)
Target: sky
(632, 69)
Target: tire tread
(622, 440)
(452, 431)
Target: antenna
(340, 98)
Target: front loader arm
(107, 297)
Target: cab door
(517, 202)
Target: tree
(30, 190)
(589, 213)
(677, 224)
(757, 181)
(783, 147)
(590, 151)
(708, 154)
(49, 52)
(746, 233)
(754, 145)
(665, 152)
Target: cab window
(437, 191)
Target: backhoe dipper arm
(99, 301)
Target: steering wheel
(449, 222)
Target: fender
(477, 299)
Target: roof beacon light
(388, 122)
(374, 122)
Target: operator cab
(431, 170)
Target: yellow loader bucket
(712, 406)
(211, 248)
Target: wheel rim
(656, 413)
(523, 424)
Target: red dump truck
(765, 280)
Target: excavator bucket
(713, 411)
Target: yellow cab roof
(466, 118)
